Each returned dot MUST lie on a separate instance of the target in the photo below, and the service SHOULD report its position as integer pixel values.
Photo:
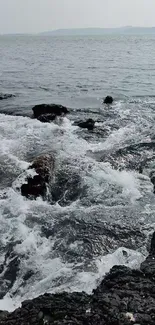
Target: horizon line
(75, 28)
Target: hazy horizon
(35, 16)
(123, 28)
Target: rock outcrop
(88, 124)
(48, 112)
(37, 184)
(47, 118)
(108, 100)
(124, 297)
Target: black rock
(88, 124)
(47, 118)
(52, 109)
(148, 266)
(108, 100)
(152, 248)
(33, 189)
(124, 297)
(37, 185)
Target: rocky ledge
(124, 297)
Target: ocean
(104, 209)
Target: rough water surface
(100, 208)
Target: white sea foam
(22, 219)
(54, 269)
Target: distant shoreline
(129, 30)
(100, 31)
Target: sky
(33, 16)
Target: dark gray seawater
(110, 212)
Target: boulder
(34, 187)
(48, 112)
(88, 124)
(108, 100)
(37, 185)
(44, 166)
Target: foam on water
(81, 281)
(22, 220)
(63, 245)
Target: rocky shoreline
(124, 297)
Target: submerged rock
(67, 187)
(48, 112)
(88, 124)
(6, 96)
(37, 185)
(46, 118)
(136, 156)
(108, 100)
(124, 297)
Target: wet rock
(51, 309)
(37, 185)
(95, 238)
(88, 124)
(124, 297)
(6, 96)
(48, 112)
(137, 147)
(44, 166)
(46, 118)
(67, 187)
(123, 292)
(108, 100)
(148, 266)
(3, 314)
(34, 188)
(136, 156)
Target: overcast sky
(26, 16)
